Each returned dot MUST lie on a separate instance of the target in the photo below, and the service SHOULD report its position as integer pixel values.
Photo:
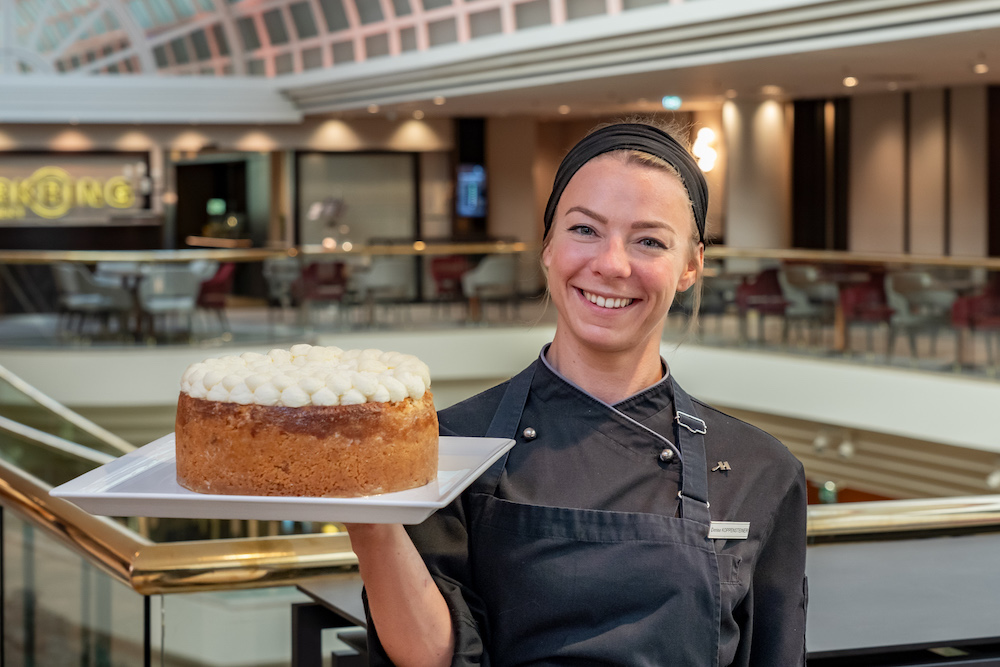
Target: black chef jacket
(756, 480)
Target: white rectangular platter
(144, 483)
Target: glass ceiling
(255, 37)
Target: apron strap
(689, 431)
(505, 422)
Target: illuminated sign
(51, 193)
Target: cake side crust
(318, 451)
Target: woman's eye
(652, 243)
(583, 230)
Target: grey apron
(572, 587)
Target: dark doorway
(196, 185)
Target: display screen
(471, 199)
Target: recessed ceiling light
(980, 68)
(564, 109)
(771, 90)
(731, 94)
(850, 81)
(438, 101)
(418, 114)
(372, 108)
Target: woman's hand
(410, 614)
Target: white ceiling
(911, 64)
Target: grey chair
(810, 302)
(280, 273)
(920, 305)
(166, 291)
(389, 283)
(493, 279)
(83, 299)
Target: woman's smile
(607, 302)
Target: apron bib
(569, 586)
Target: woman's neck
(610, 376)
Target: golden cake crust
(318, 451)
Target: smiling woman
(604, 536)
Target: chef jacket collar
(640, 405)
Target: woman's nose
(612, 259)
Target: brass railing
(172, 567)
(484, 248)
(175, 567)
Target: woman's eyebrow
(639, 224)
(587, 212)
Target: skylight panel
(184, 8)
(283, 64)
(200, 43)
(141, 14)
(334, 15)
(402, 7)
(220, 39)
(302, 17)
(275, 24)
(369, 11)
(160, 54)
(179, 47)
(248, 31)
(161, 12)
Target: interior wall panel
(927, 172)
(969, 178)
(876, 185)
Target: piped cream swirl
(308, 375)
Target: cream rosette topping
(308, 375)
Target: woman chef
(630, 524)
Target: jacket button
(529, 433)
(667, 455)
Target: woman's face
(619, 249)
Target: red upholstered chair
(447, 272)
(979, 313)
(762, 294)
(323, 282)
(865, 304)
(213, 292)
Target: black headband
(636, 137)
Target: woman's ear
(546, 255)
(693, 269)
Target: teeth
(606, 302)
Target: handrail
(176, 567)
(54, 442)
(848, 257)
(65, 413)
(897, 516)
(256, 254)
(483, 248)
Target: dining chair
(82, 298)
(979, 313)
(920, 305)
(760, 294)
(447, 272)
(214, 291)
(167, 290)
(280, 273)
(865, 304)
(388, 283)
(494, 279)
(320, 282)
